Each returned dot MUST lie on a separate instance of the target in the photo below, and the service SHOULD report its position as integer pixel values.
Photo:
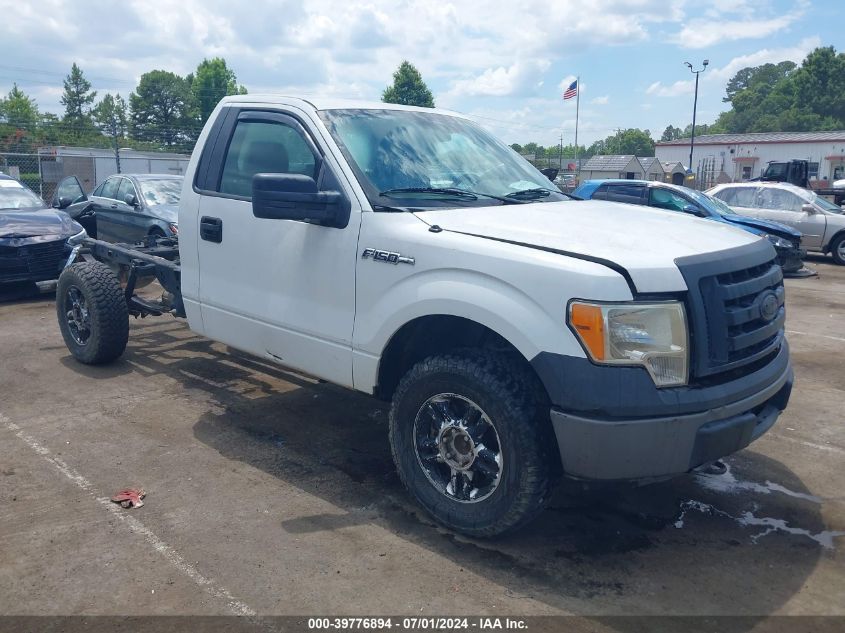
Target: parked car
(786, 240)
(566, 182)
(127, 207)
(35, 240)
(821, 223)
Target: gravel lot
(271, 493)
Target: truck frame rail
(155, 257)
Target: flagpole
(577, 108)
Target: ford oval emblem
(768, 306)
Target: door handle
(114, 206)
(211, 229)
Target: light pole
(694, 105)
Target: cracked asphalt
(272, 493)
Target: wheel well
(836, 236)
(156, 230)
(434, 335)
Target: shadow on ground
(604, 551)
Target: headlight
(73, 240)
(780, 242)
(653, 335)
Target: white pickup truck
(519, 334)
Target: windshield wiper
(448, 191)
(533, 194)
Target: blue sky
(505, 63)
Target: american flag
(571, 91)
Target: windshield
(13, 195)
(711, 203)
(161, 191)
(825, 204)
(431, 159)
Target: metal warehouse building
(739, 157)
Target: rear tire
(837, 249)
(92, 313)
(472, 442)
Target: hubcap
(841, 250)
(78, 318)
(458, 448)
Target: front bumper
(619, 448)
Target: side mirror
(64, 203)
(295, 197)
(691, 209)
(809, 209)
(131, 200)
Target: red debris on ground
(130, 498)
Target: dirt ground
(271, 493)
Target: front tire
(470, 437)
(837, 249)
(92, 313)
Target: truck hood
(645, 242)
(772, 228)
(36, 222)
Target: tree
(77, 99)
(408, 88)
(671, 133)
(785, 98)
(19, 109)
(517, 148)
(111, 116)
(212, 81)
(160, 109)
(630, 141)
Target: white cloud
(600, 100)
(706, 32)
(502, 81)
(722, 74)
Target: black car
(124, 207)
(35, 240)
(786, 240)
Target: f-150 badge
(386, 256)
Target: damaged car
(36, 242)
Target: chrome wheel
(78, 317)
(458, 448)
(840, 250)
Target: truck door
(281, 289)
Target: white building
(745, 156)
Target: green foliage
(77, 99)
(161, 109)
(671, 133)
(212, 81)
(408, 88)
(631, 141)
(785, 98)
(111, 116)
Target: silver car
(822, 223)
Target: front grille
(736, 305)
(38, 262)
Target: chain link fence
(42, 171)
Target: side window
(665, 199)
(600, 193)
(99, 190)
(778, 200)
(109, 189)
(69, 188)
(737, 196)
(126, 188)
(626, 193)
(259, 147)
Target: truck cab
(519, 334)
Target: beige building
(613, 166)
